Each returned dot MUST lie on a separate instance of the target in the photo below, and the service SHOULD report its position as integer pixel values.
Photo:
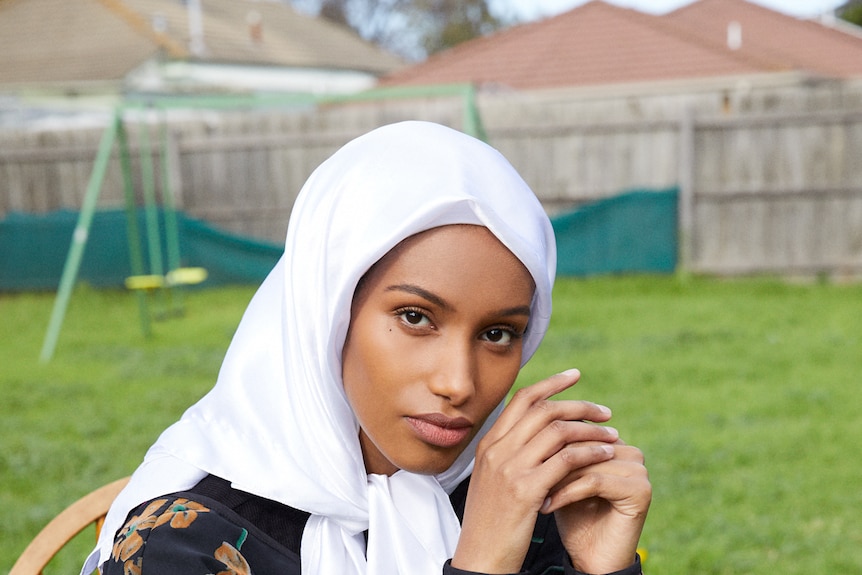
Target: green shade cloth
(635, 232)
(33, 250)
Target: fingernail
(609, 449)
(604, 409)
(546, 505)
(612, 431)
(571, 372)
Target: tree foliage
(851, 12)
(412, 28)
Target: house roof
(785, 41)
(57, 41)
(598, 43)
(67, 41)
(286, 37)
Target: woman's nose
(455, 378)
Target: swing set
(161, 278)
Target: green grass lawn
(741, 393)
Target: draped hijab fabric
(277, 423)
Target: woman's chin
(431, 465)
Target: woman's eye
(415, 318)
(498, 335)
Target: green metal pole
(154, 242)
(152, 215)
(172, 232)
(136, 255)
(79, 242)
(472, 118)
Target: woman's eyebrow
(520, 310)
(421, 292)
(440, 302)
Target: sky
(525, 10)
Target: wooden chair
(88, 510)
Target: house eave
(183, 76)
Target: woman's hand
(542, 455)
(600, 511)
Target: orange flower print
(132, 567)
(127, 546)
(232, 559)
(130, 540)
(181, 513)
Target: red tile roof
(598, 43)
(788, 42)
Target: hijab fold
(277, 423)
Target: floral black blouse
(216, 530)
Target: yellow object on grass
(146, 282)
(180, 276)
(643, 553)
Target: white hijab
(277, 423)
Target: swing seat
(179, 276)
(145, 282)
(185, 276)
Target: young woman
(357, 425)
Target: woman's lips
(439, 430)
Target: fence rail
(771, 183)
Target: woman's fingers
(553, 451)
(526, 397)
(546, 449)
(538, 441)
(570, 437)
(531, 410)
(622, 480)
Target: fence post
(686, 189)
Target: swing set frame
(163, 276)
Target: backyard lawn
(741, 393)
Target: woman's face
(434, 345)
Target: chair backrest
(87, 510)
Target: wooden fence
(770, 177)
(779, 193)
